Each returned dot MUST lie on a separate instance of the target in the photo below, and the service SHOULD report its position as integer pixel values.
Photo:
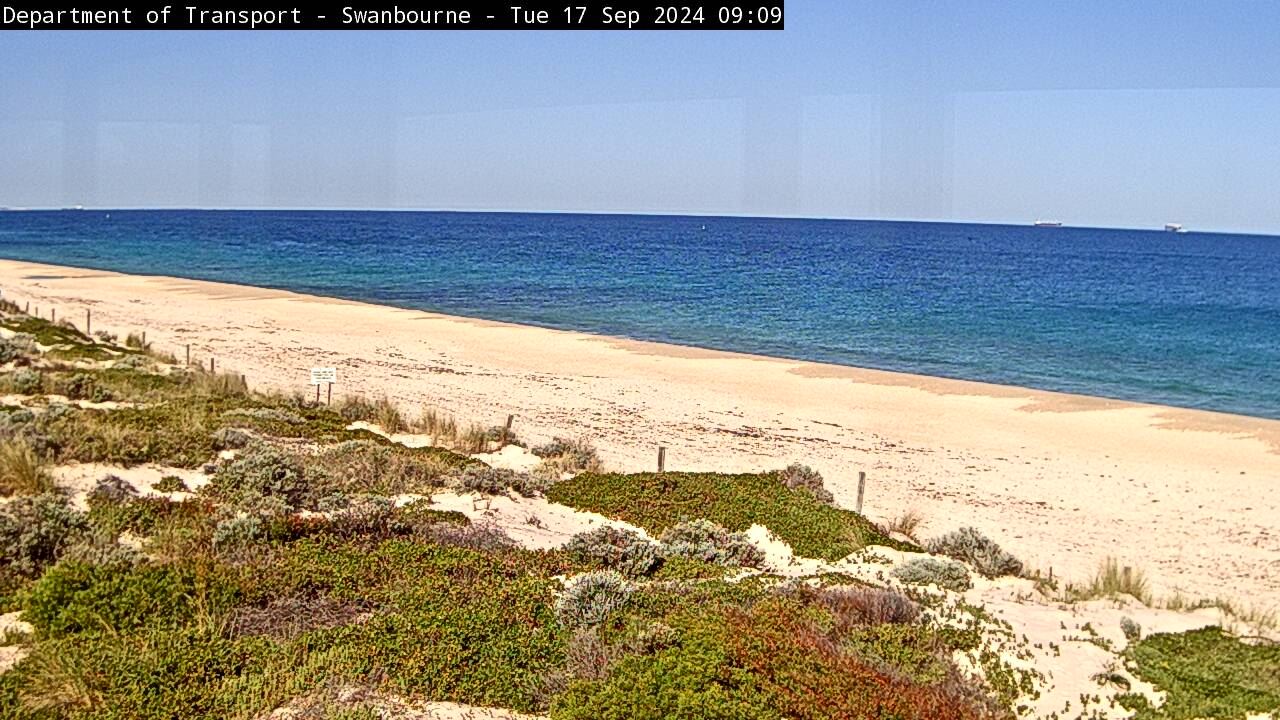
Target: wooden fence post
(862, 489)
(188, 354)
(211, 370)
(53, 315)
(506, 431)
(662, 459)
(88, 321)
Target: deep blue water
(1190, 320)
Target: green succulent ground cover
(1207, 674)
(658, 501)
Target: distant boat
(1047, 223)
(1174, 228)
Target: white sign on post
(320, 376)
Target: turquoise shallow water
(1190, 320)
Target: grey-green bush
(803, 477)
(112, 489)
(36, 530)
(364, 514)
(498, 481)
(1131, 629)
(235, 533)
(588, 599)
(15, 347)
(614, 548)
(946, 574)
(260, 470)
(971, 546)
(27, 381)
(577, 453)
(133, 362)
(706, 541)
(229, 438)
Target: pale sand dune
(1062, 480)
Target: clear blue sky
(1094, 113)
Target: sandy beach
(1061, 480)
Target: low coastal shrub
(142, 515)
(589, 599)
(708, 542)
(803, 477)
(569, 455)
(36, 530)
(16, 347)
(500, 434)
(368, 466)
(231, 438)
(234, 534)
(971, 546)
(14, 421)
(26, 381)
(1131, 629)
(1204, 673)
(498, 481)
(655, 502)
(771, 660)
(168, 433)
(613, 548)
(856, 606)
(260, 470)
(111, 489)
(419, 515)
(370, 515)
(170, 484)
(78, 597)
(946, 574)
(22, 470)
(483, 537)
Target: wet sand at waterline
(1063, 481)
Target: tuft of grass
(437, 424)
(474, 439)
(388, 417)
(217, 385)
(906, 524)
(656, 502)
(1112, 580)
(22, 471)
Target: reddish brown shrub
(811, 676)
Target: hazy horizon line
(623, 213)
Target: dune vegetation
(244, 554)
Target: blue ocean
(1181, 319)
